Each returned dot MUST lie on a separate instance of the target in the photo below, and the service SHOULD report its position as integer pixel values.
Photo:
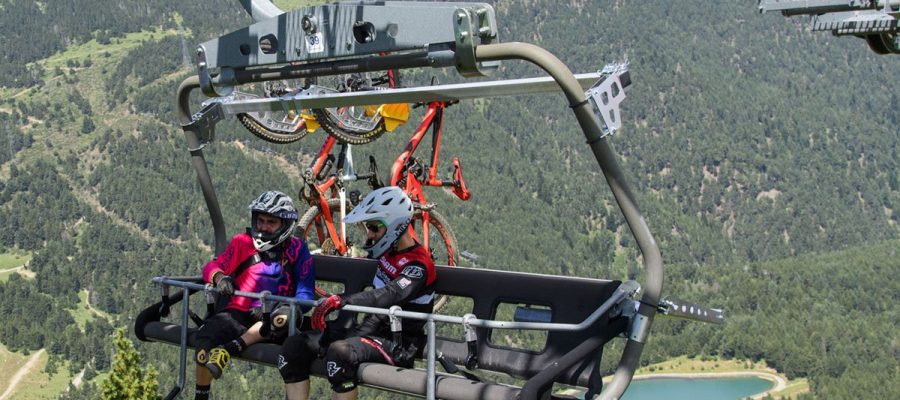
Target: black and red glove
(325, 307)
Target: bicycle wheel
(441, 244)
(313, 230)
(353, 124)
(279, 127)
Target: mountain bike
(412, 174)
(321, 225)
(360, 124)
(280, 127)
(325, 191)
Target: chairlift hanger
(461, 35)
(876, 21)
(347, 37)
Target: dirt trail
(12, 269)
(76, 381)
(21, 374)
(91, 308)
(21, 271)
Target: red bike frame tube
(322, 197)
(413, 143)
(438, 129)
(324, 151)
(325, 211)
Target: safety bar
(625, 290)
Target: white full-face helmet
(391, 207)
(276, 204)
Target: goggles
(373, 226)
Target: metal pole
(183, 98)
(449, 92)
(616, 181)
(422, 59)
(429, 367)
(182, 353)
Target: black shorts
(222, 328)
(342, 356)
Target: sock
(201, 392)
(235, 346)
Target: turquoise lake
(696, 389)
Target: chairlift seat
(570, 299)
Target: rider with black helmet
(266, 257)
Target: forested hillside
(765, 159)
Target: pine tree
(127, 380)
(87, 126)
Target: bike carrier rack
(308, 99)
(354, 33)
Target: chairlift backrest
(570, 300)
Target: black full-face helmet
(276, 204)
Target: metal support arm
(261, 9)
(194, 143)
(616, 180)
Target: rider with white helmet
(388, 206)
(405, 277)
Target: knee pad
(201, 357)
(340, 366)
(295, 358)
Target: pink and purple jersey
(291, 276)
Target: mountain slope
(749, 142)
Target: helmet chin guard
(388, 205)
(266, 241)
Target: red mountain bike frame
(405, 166)
(318, 194)
(408, 173)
